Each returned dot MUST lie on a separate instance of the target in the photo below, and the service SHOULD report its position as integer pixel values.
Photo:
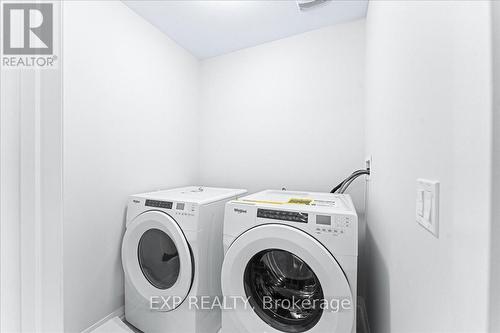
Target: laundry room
(279, 166)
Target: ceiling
(211, 28)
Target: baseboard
(120, 312)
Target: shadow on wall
(378, 288)
(362, 255)
(123, 229)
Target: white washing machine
(291, 259)
(172, 251)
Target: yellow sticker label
(300, 201)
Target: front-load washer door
(291, 282)
(157, 260)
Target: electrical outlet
(427, 205)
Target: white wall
(130, 125)
(495, 227)
(428, 115)
(287, 113)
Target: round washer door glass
(283, 290)
(158, 258)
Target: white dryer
(172, 250)
(293, 257)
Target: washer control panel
(177, 208)
(185, 209)
(334, 225)
(159, 204)
(282, 215)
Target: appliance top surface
(195, 194)
(305, 201)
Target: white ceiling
(210, 28)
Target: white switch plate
(427, 205)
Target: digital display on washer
(282, 215)
(159, 204)
(323, 219)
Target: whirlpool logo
(240, 211)
(28, 35)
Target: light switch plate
(427, 205)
